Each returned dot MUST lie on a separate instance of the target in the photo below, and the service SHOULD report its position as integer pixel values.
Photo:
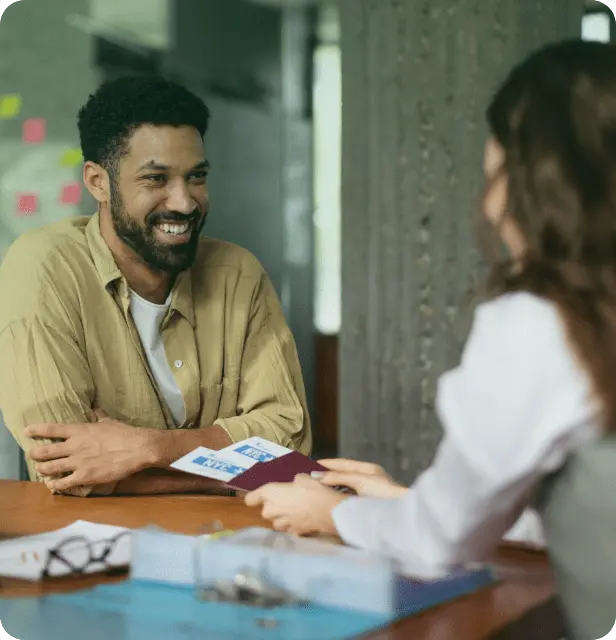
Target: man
(127, 319)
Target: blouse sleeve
(512, 411)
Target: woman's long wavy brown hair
(555, 117)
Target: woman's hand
(365, 478)
(303, 506)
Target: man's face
(159, 197)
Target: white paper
(230, 462)
(162, 556)
(26, 557)
(266, 538)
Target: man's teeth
(174, 229)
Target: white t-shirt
(513, 410)
(148, 317)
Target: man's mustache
(172, 218)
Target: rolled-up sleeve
(271, 396)
(44, 377)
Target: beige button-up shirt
(68, 344)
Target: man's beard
(167, 258)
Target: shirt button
(178, 364)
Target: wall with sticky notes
(10, 106)
(45, 76)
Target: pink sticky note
(27, 204)
(71, 194)
(34, 130)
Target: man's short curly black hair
(112, 114)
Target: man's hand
(303, 506)
(92, 453)
(365, 478)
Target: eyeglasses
(78, 555)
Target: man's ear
(96, 179)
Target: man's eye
(199, 176)
(156, 178)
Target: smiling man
(126, 339)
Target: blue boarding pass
(230, 462)
(202, 462)
(253, 450)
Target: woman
(537, 379)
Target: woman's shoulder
(519, 306)
(524, 320)
(519, 388)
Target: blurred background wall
(270, 70)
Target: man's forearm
(170, 445)
(163, 448)
(166, 481)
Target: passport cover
(283, 469)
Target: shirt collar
(108, 271)
(182, 296)
(104, 261)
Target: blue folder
(136, 610)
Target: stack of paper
(81, 543)
(161, 556)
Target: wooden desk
(520, 607)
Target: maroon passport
(283, 469)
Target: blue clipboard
(135, 610)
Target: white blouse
(513, 410)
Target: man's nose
(179, 198)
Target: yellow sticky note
(10, 106)
(71, 158)
(220, 534)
